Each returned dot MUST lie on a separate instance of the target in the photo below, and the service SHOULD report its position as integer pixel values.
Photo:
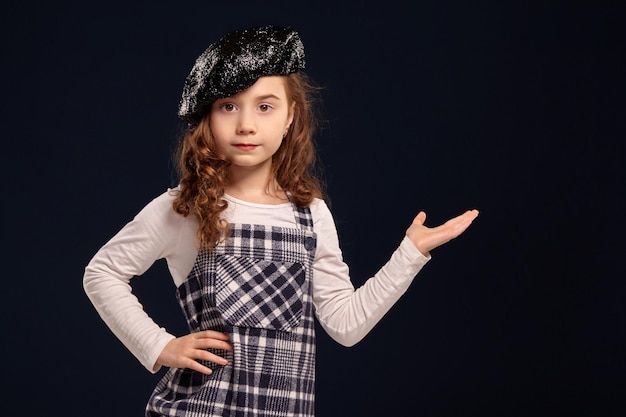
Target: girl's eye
(228, 107)
(264, 108)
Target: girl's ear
(292, 111)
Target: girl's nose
(245, 123)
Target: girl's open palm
(426, 239)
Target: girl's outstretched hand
(426, 239)
(185, 351)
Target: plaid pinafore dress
(256, 287)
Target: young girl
(250, 244)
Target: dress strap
(303, 216)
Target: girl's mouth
(245, 146)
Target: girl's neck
(255, 188)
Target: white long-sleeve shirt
(157, 232)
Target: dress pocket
(259, 293)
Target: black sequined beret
(235, 62)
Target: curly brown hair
(202, 171)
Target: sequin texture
(235, 62)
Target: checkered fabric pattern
(256, 287)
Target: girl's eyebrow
(268, 96)
(259, 98)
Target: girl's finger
(211, 334)
(197, 366)
(205, 355)
(420, 218)
(209, 343)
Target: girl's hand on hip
(185, 351)
(426, 239)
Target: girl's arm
(107, 279)
(348, 314)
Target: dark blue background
(515, 108)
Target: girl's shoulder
(161, 208)
(320, 211)
(162, 202)
(318, 204)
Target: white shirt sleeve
(346, 314)
(151, 235)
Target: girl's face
(249, 127)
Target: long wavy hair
(202, 172)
